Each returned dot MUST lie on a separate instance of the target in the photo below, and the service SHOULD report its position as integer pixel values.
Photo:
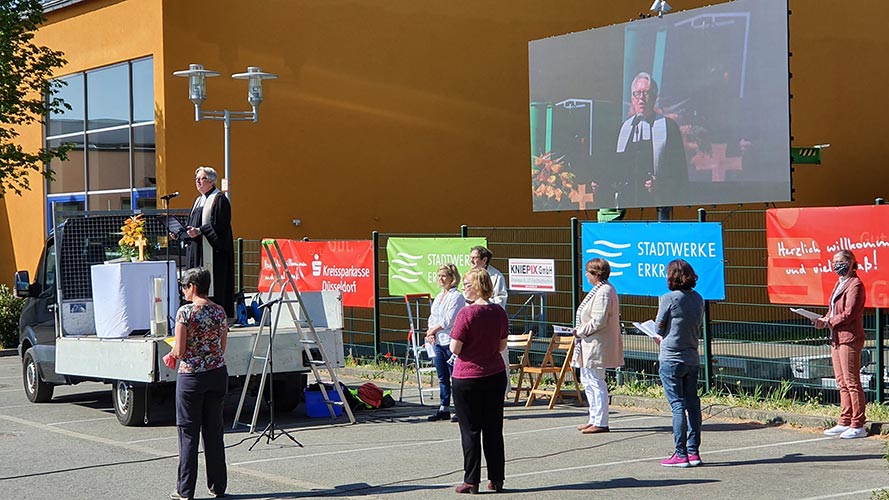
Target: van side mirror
(22, 284)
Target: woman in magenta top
(478, 336)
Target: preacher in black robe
(209, 241)
(649, 168)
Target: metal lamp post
(197, 92)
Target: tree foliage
(28, 94)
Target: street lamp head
(197, 88)
(254, 77)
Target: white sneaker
(854, 432)
(836, 430)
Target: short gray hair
(210, 172)
(652, 85)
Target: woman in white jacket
(597, 329)
(441, 319)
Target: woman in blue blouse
(679, 318)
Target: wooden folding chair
(520, 342)
(558, 344)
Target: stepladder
(417, 349)
(288, 311)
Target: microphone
(170, 196)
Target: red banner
(327, 265)
(802, 242)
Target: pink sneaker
(694, 460)
(675, 461)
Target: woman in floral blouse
(201, 384)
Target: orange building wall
(409, 117)
(91, 34)
(406, 116)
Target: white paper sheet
(647, 328)
(805, 313)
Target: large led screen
(688, 109)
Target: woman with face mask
(844, 319)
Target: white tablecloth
(123, 292)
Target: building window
(111, 124)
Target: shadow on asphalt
(360, 489)
(795, 458)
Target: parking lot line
(287, 481)
(661, 457)
(80, 421)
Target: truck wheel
(129, 403)
(36, 390)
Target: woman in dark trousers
(844, 319)
(201, 384)
(679, 317)
(478, 336)
(441, 319)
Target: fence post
(464, 231)
(239, 286)
(375, 238)
(575, 262)
(878, 344)
(708, 346)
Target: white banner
(532, 275)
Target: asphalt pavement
(74, 448)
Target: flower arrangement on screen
(550, 182)
(133, 236)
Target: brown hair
(481, 281)
(599, 267)
(680, 275)
(483, 253)
(199, 277)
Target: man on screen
(651, 167)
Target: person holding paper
(442, 314)
(844, 319)
(478, 336)
(678, 323)
(209, 238)
(599, 346)
(201, 384)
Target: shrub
(10, 310)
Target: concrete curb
(769, 417)
(8, 352)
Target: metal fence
(749, 344)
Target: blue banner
(640, 251)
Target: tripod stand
(267, 374)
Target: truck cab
(37, 327)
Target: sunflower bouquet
(551, 183)
(133, 236)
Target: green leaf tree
(28, 94)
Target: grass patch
(776, 399)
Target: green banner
(414, 262)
